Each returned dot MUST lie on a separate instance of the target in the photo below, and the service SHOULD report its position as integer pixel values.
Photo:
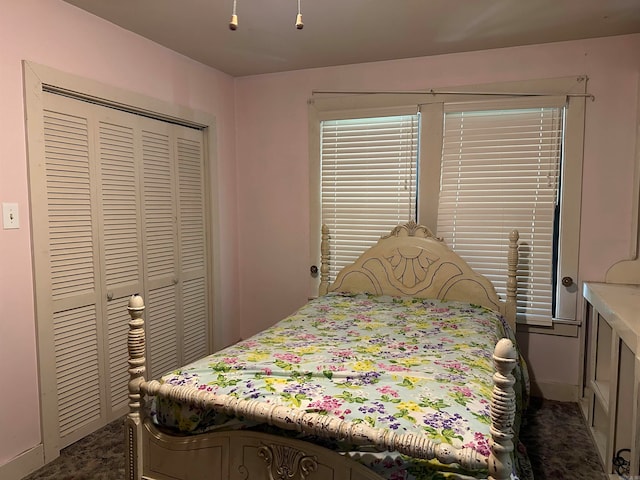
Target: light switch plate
(10, 216)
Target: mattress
(407, 364)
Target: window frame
(531, 308)
(432, 107)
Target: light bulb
(233, 24)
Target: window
(368, 181)
(500, 171)
(484, 168)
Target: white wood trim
(24, 464)
(556, 328)
(44, 330)
(315, 204)
(431, 132)
(571, 201)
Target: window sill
(561, 328)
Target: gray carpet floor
(558, 443)
(554, 434)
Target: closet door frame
(38, 79)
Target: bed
(404, 367)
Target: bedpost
(512, 279)
(324, 261)
(133, 420)
(503, 408)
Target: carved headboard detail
(412, 261)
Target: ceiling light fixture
(299, 23)
(233, 24)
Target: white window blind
(368, 169)
(500, 171)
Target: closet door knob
(567, 281)
(109, 296)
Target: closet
(119, 207)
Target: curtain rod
(448, 92)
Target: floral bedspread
(411, 365)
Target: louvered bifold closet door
(125, 213)
(192, 242)
(174, 239)
(121, 243)
(160, 239)
(72, 268)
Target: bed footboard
(502, 414)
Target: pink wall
(273, 171)
(58, 35)
(263, 180)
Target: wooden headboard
(411, 261)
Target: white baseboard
(561, 392)
(24, 464)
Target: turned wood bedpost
(512, 279)
(133, 420)
(503, 409)
(324, 261)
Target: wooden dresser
(612, 371)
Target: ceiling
(339, 32)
